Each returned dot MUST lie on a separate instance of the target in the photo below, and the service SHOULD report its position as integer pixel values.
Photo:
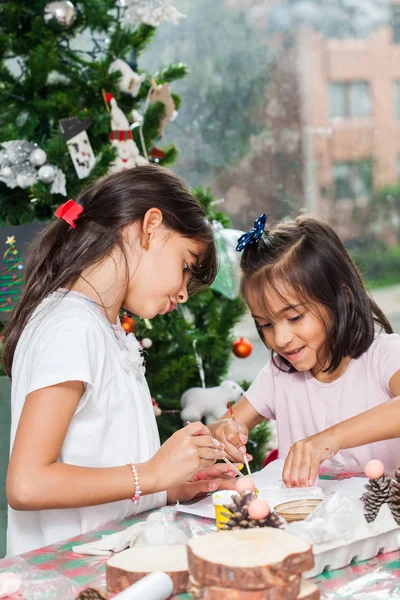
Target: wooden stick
(228, 462)
(246, 462)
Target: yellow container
(219, 499)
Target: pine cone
(394, 497)
(377, 493)
(239, 519)
(91, 594)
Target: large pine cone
(377, 493)
(239, 519)
(91, 594)
(394, 497)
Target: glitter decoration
(20, 163)
(149, 12)
(11, 278)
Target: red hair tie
(69, 212)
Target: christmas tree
(11, 277)
(75, 105)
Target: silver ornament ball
(60, 15)
(46, 174)
(3, 157)
(38, 157)
(147, 343)
(5, 172)
(25, 180)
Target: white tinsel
(16, 170)
(150, 12)
(58, 183)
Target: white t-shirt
(69, 339)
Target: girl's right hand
(234, 435)
(184, 453)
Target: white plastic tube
(156, 586)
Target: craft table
(56, 572)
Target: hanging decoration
(149, 12)
(19, 161)
(130, 81)
(242, 348)
(121, 138)
(128, 323)
(11, 277)
(80, 150)
(162, 93)
(60, 15)
(147, 343)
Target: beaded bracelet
(138, 491)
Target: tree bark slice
(307, 591)
(252, 559)
(126, 568)
(288, 591)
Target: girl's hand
(209, 479)
(233, 434)
(183, 454)
(304, 458)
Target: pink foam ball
(258, 509)
(244, 484)
(10, 583)
(374, 469)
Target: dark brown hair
(306, 256)
(59, 254)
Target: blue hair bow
(252, 236)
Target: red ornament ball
(128, 324)
(242, 348)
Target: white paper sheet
(269, 483)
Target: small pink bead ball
(374, 469)
(244, 484)
(258, 509)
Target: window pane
(362, 178)
(360, 99)
(396, 94)
(338, 100)
(395, 21)
(341, 175)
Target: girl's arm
(36, 481)
(234, 433)
(379, 423)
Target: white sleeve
(68, 351)
(261, 393)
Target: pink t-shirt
(302, 406)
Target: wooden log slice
(288, 591)
(248, 559)
(126, 568)
(308, 591)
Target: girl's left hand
(209, 479)
(304, 458)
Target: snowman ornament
(128, 155)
